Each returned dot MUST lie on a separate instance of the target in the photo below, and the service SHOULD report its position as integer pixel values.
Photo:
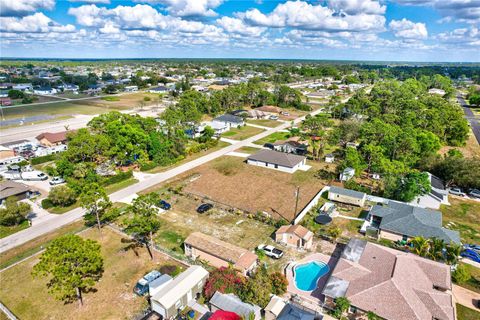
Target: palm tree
(420, 246)
(453, 251)
(435, 251)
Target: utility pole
(297, 194)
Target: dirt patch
(231, 181)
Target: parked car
(285, 113)
(164, 205)
(272, 117)
(34, 175)
(204, 207)
(456, 192)
(471, 254)
(142, 286)
(271, 251)
(474, 193)
(56, 180)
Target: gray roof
(436, 182)
(164, 278)
(413, 221)
(335, 287)
(347, 192)
(292, 312)
(275, 157)
(229, 118)
(12, 188)
(232, 303)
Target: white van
(34, 175)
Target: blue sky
(401, 30)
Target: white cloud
(302, 15)
(357, 6)
(36, 23)
(235, 25)
(189, 8)
(464, 37)
(92, 1)
(460, 10)
(409, 30)
(24, 7)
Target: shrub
(39, 160)
(170, 269)
(62, 196)
(147, 166)
(225, 280)
(14, 212)
(279, 283)
(47, 204)
(119, 177)
(461, 274)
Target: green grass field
(242, 133)
(464, 313)
(6, 231)
(265, 122)
(474, 282)
(273, 137)
(463, 215)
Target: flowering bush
(225, 280)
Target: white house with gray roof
(281, 161)
(437, 196)
(228, 120)
(347, 196)
(401, 221)
(232, 303)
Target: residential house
(229, 121)
(6, 101)
(436, 91)
(23, 87)
(232, 303)
(14, 189)
(347, 174)
(45, 91)
(393, 284)
(159, 89)
(6, 153)
(437, 196)
(178, 293)
(158, 284)
(401, 221)
(49, 139)
(279, 309)
(291, 146)
(347, 196)
(295, 236)
(329, 158)
(131, 88)
(281, 161)
(218, 253)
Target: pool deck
(316, 295)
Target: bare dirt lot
(229, 180)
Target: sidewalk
(465, 297)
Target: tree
(16, 94)
(258, 288)
(73, 266)
(461, 274)
(435, 250)
(279, 283)
(94, 199)
(225, 280)
(408, 187)
(14, 212)
(354, 160)
(334, 232)
(341, 306)
(452, 252)
(420, 246)
(62, 196)
(143, 221)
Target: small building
(232, 303)
(159, 89)
(351, 145)
(131, 88)
(182, 290)
(347, 196)
(436, 91)
(156, 285)
(49, 139)
(219, 253)
(229, 121)
(281, 161)
(6, 153)
(347, 174)
(45, 91)
(295, 236)
(329, 158)
(14, 189)
(393, 284)
(279, 309)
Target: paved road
(56, 222)
(471, 118)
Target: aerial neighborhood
(238, 189)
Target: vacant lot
(231, 181)
(273, 137)
(113, 299)
(265, 122)
(242, 133)
(463, 215)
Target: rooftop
(347, 192)
(281, 158)
(229, 118)
(12, 188)
(230, 302)
(298, 230)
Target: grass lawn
(250, 150)
(265, 122)
(62, 210)
(28, 297)
(474, 282)
(11, 256)
(112, 98)
(242, 133)
(120, 185)
(464, 313)
(463, 215)
(273, 137)
(6, 231)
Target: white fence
(310, 205)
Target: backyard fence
(310, 205)
(7, 312)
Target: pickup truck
(271, 251)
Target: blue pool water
(307, 275)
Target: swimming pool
(307, 275)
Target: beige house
(219, 253)
(6, 152)
(347, 196)
(180, 291)
(295, 236)
(49, 139)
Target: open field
(273, 137)
(265, 122)
(28, 297)
(464, 313)
(88, 107)
(463, 215)
(253, 189)
(242, 133)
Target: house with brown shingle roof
(295, 236)
(219, 253)
(395, 285)
(49, 139)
